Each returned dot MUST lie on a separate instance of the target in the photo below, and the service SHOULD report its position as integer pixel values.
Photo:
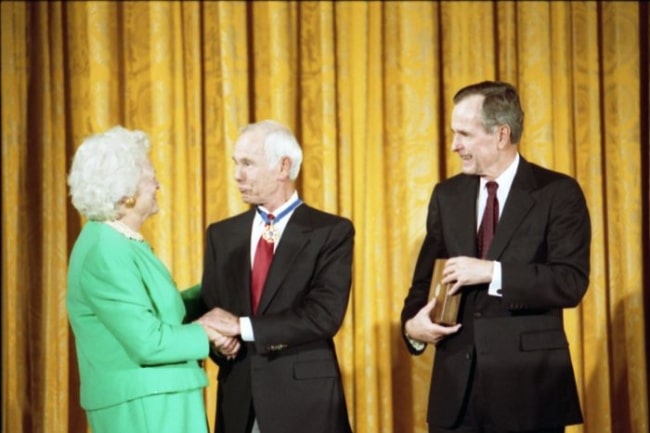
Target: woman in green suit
(138, 357)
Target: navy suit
(513, 349)
(290, 374)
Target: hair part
(501, 106)
(279, 142)
(106, 168)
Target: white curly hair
(106, 168)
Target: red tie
(261, 265)
(489, 221)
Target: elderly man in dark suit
(279, 276)
(518, 238)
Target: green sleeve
(193, 303)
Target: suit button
(478, 314)
(468, 356)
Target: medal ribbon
(278, 217)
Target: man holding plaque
(516, 237)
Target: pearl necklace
(125, 230)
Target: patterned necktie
(262, 263)
(489, 221)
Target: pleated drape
(367, 86)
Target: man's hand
(421, 328)
(222, 328)
(466, 271)
(222, 321)
(226, 346)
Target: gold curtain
(367, 87)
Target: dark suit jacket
(290, 373)
(517, 343)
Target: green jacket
(127, 317)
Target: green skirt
(179, 412)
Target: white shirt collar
(505, 182)
(506, 178)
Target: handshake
(222, 328)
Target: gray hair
(279, 142)
(501, 106)
(106, 168)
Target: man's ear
(285, 167)
(504, 136)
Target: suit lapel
(460, 207)
(518, 205)
(241, 253)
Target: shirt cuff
(494, 289)
(415, 344)
(246, 329)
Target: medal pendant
(269, 234)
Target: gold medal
(269, 233)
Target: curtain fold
(367, 87)
(621, 177)
(14, 65)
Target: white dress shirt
(246, 328)
(505, 182)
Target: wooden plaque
(445, 312)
